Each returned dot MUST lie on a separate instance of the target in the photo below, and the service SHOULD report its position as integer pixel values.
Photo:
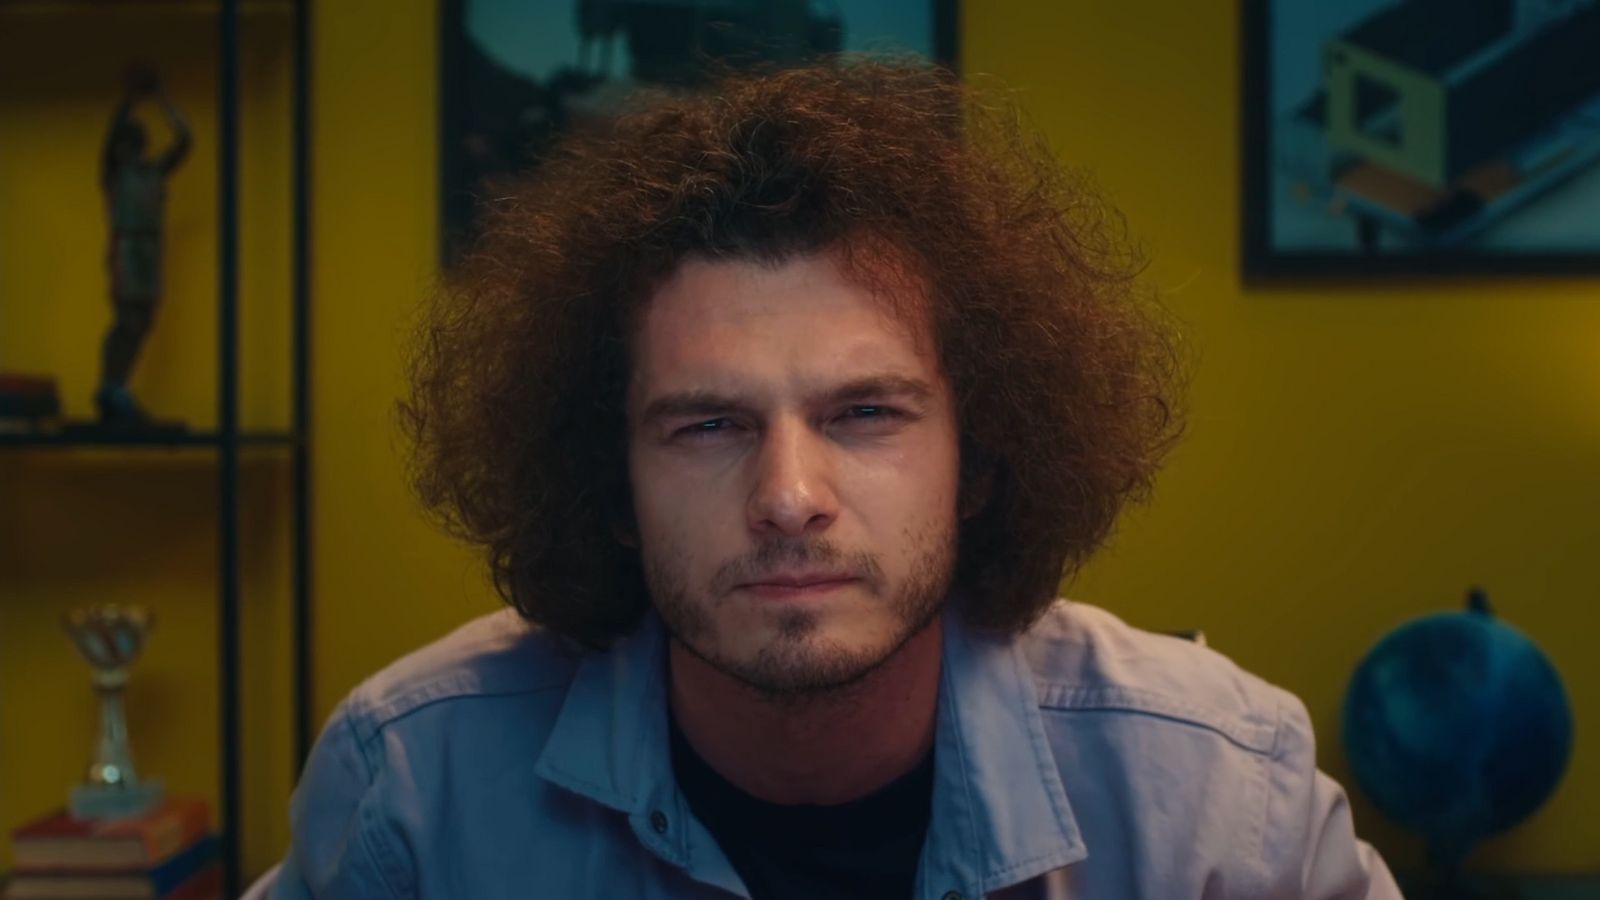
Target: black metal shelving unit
(229, 437)
(227, 440)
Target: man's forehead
(824, 374)
(730, 354)
(877, 378)
(710, 310)
(744, 334)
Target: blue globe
(1457, 727)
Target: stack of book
(169, 853)
(27, 402)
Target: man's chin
(796, 653)
(793, 666)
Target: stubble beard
(796, 666)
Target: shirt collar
(1000, 812)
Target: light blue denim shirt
(1083, 759)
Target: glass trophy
(110, 637)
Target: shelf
(136, 440)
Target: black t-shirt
(866, 848)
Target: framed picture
(1421, 136)
(515, 74)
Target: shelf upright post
(303, 622)
(228, 433)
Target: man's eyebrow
(708, 402)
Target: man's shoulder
(1084, 658)
(498, 655)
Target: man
(135, 193)
(781, 413)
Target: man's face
(783, 427)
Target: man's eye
(705, 429)
(869, 413)
(711, 428)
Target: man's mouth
(797, 585)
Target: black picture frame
(484, 106)
(1264, 255)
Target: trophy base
(95, 801)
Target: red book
(57, 842)
(28, 396)
(17, 383)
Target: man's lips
(799, 580)
(779, 587)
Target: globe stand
(1456, 885)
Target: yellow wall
(1359, 453)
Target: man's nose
(793, 491)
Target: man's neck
(825, 750)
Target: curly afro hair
(1066, 377)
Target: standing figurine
(135, 192)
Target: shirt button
(658, 821)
